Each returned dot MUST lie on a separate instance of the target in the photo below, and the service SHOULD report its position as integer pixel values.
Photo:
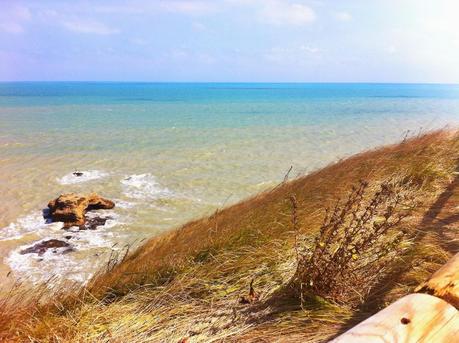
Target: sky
(230, 40)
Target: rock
(96, 202)
(93, 222)
(71, 208)
(40, 248)
(77, 173)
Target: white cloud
(139, 41)
(75, 20)
(205, 58)
(189, 7)
(292, 55)
(14, 18)
(11, 27)
(88, 26)
(198, 26)
(21, 13)
(277, 12)
(184, 54)
(343, 16)
(179, 54)
(309, 49)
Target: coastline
(216, 257)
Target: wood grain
(413, 318)
(444, 283)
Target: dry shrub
(356, 243)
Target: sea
(167, 153)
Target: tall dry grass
(358, 240)
(190, 284)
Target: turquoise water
(167, 153)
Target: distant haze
(230, 40)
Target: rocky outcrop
(71, 208)
(93, 222)
(40, 248)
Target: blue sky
(231, 40)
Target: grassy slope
(187, 282)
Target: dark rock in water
(71, 208)
(94, 222)
(77, 173)
(40, 248)
(47, 215)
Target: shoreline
(145, 189)
(217, 256)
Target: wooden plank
(448, 333)
(410, 319)
(444, 283)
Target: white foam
(88, 175)
(124, 204)
(37, 268)
(32, 223)
(144, 186)
(88, 239)
(78, 265)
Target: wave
(81, 176)
(145, 187)
(76, 261)
(124, 204)
(31, 223)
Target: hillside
(192, 284)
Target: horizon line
(236, 82)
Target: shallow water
(166, 153)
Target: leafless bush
(356, 242)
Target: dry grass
(356, 242)
(188, 284)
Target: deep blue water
(70, 105)
(111, 92)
